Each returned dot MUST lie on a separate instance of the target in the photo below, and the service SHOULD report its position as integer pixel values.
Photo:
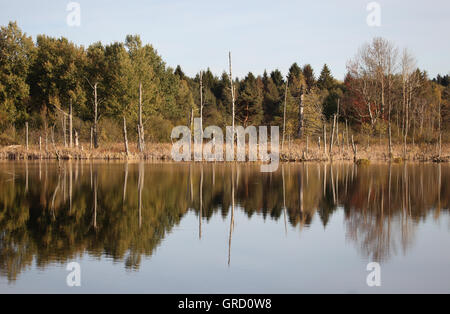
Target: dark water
(213, 228)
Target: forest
(53, 91)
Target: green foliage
(313, 115)
(39, 80)
(16, 57)
(326, 80)
(249, 103)
(57, 74)
(310, 79)
(272, 100)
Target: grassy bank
(296, 152)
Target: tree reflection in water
(53, 212)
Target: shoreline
(296, 153)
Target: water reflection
(54, 212)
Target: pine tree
(326, 80)
(310, 80)
(249, 102)
(271, 100)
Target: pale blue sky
(261, 34)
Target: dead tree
(346, 132)
(92, 135)
(70, 124)
(337, 125)
(76, 139)
(300, 115)
(440, 129)
(201, 104)
(26, 130)
(232, 94)
(332, 136)
(284, 114)
(125, 138)
(355, 150)
(64, 128)
(141, 137)
(95, 131)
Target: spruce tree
(310, 80)
(326, 80)
(249, 102)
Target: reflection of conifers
(133, 214)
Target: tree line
(125, 89)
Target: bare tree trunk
(26, 130)
(201, 104)
(405, 136)
(46, 137)
(324, 139)
(232, 94)
(390, 131)
(355, 150)
(64, 129)
(192, 130)
(337, 125)
(70, 125)
(300, 116)
(95, 117)
(284, 114)
(141, 139)
(440, 131)
(125, 139)
(76, 139)
(332, 136)
(92, 137)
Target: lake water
(224, 228)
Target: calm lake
(223, 228)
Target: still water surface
(214, 228)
